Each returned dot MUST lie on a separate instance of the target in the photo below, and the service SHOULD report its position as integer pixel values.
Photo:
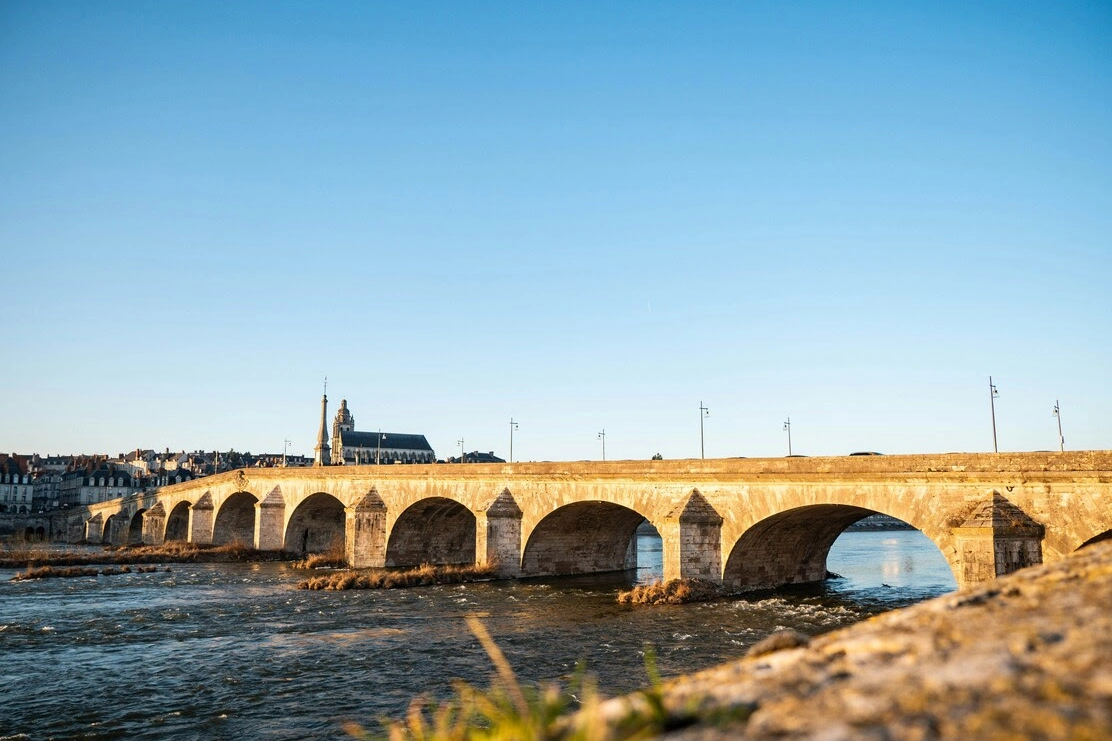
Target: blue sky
(584, 216)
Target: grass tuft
(68, 572)
(674, 592)
(173, 552)
(425, 575)
(334, 558)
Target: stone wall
(1025, 657)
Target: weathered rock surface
(1028, 656)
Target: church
(350, 447)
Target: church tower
(322, 454)
(344, 422)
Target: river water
(235, 651)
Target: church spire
(322, 453)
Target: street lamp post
(992, 396)
(513, 426)
(378, 451)
(703, 414)
(1061, 440)
(285, 449)
(602, 436)
(462, 455)
(788, 429)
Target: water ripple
(235, 651)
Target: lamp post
(513, 426)
(703, 414)
(378, 451)
(1061, 440)
(602, 436)
(788, 429)
(992, 396)
(285, 449)
(462, 455)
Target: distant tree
(657, 457)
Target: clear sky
(584, 216)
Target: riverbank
(1022, 657)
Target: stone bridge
(749, 523)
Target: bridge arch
(109, 528)
(177, 523)
(235, 520)
(791, 547)
(436, 530)
(316, 525)
(1107, 535)
(582, 538)
(135, 529)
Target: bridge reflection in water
(748, 523)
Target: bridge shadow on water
(874, 570)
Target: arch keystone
(996, 539)
(365, 532)
(692, 540)
(498, 535)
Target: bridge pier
(997, 539)
(498, 535)
(270, 518)
(94, 529)
(200, 520)
(365, 532)
(692, 540)
(154, 525)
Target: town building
(48, 489)
(97, 481)
(17, 489)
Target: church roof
(390, 441)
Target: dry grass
(172, 552)
(69, 572)
(674, 592)
(334, 558)
(51, 572)
(421, 576)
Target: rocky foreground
(1028, 656)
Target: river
(235, 651)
